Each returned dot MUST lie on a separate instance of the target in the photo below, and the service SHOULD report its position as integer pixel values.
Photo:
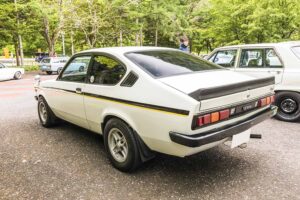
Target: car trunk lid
(220, 88)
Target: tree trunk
(72, 43)
(17, 54)
(141, 37)
(121, 38)
(191, 45)
(21, 54)
(137, 34)
(156, 37)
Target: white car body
(53, 64)
(7, 73)
(283, 63)
(160, 110)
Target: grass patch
(31, 68)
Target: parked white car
(7, 73)
(281, 60)
(53, 64)
(147, 99)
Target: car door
(68, 100)
(104, 75)
(6, 73)
(2, 72)
(226, 58)
(261, 62)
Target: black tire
(59, 70)
(48, 119)
(132, 160)
(288, 106)
(18, 75)
(49, 72)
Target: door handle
(78, 90)
(277, 72)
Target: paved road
(67, 162)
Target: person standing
(184, 44)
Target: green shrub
(31, 68)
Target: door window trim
(109, 56)
(67, 64)
(226, 49)
(256, 48)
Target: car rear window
(165, 63)
(296, 51)
(46, 60)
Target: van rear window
(163, 63)
(46, 60)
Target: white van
(53, 64)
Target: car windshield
(296, 51)
(163, 63)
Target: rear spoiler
(213, 92)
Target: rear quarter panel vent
(130, 80)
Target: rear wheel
(18, 75)
(121, 146)
(46, 116)
(49, 72)
(288, 106)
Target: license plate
(240, 138)
(248, 107)
(44, 67)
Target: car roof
(288, 44)
(122, 50)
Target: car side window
(106, 71)
(260, 58)
(272, 60)
(76, 70)
(252, 58)
(225, 58)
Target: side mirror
(37, 78)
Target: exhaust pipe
(255, 136)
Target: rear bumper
(200, 139)
(45, 68)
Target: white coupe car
(146, 99)
(281, 60)
(7, 73)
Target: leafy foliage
(100, 23)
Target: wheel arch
(122, 116)
(144, 151)
(287, 90)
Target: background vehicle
(40, 56)
(146, 100)
(10, 73)
(52, 64)
(281, 60)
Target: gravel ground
(67, 162)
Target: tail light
(214, 117)
(266, 101)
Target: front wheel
(121, 146)
(288, 106)
(49, 72)
(46, 116)
(18, 75)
